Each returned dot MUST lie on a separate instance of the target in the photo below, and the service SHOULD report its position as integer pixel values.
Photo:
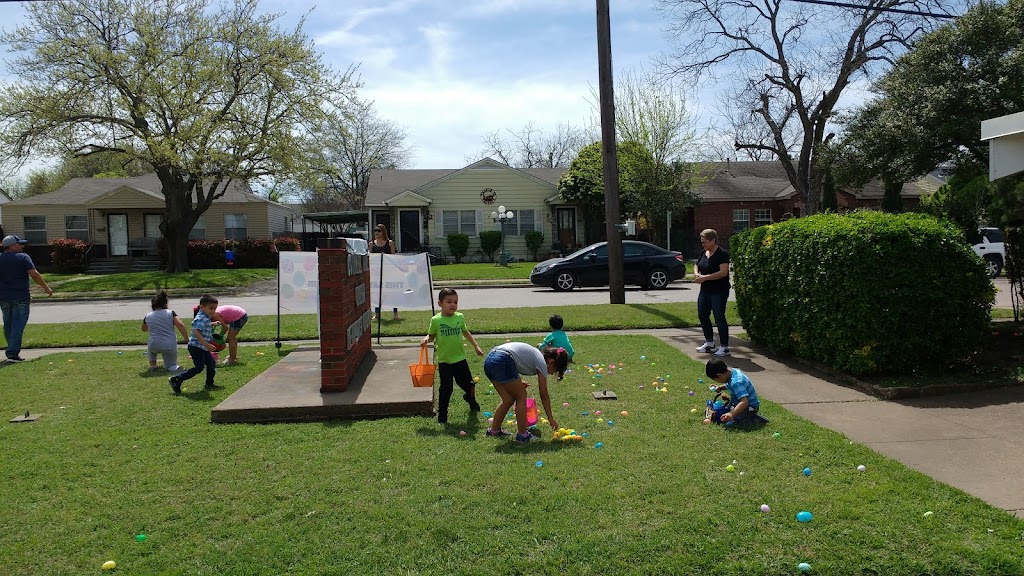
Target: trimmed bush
(458, 244)
(864, 293)
(68, 256)
(287, 244)
(490, 241)
(253, 253)
(534, 240)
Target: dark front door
(565, 219)
(409, 230)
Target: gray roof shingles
(82, 190)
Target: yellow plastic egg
(109, 565)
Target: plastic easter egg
(804, 516)
(643, 357)
(490, 420)
(623, 413)
(586, 413)
(700, 380)
(804, 567)
(861, 468)
(565, 404)
(600, 420)
(693, 410)
(462, 432)
(120, 353)
(597, 412)
(488, 414)
(476, 378)
(641, 386)
(730, 468)
(928, 514)
(707, 421)
(807, 471)
(776, 435)
(584, 435)
(599, 445)
(109, 565)
(539, 463)
(611, 423)
(765, 508)
(690, 392)
(140, 538)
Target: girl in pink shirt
(234, 317)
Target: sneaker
(14, 359)
(175, 385)
(500, 432)
(525, 437)
(722, 351)
(229, 362)
(706, 347)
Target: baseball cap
(12, 240)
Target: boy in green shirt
(447, 329)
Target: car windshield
(994, 235)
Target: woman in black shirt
(712, 273)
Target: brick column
(344, 313)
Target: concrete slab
(996, 412)
(879, 422)
(289, 391)
(987, 468)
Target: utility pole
(609, 159)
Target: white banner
(406, 281)
(298, 283)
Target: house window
(152, 225)
(740, 220)
(234, 227)
(76, 227)
(762, 216)
(520, 224)
(198, 231)
(458, 222)
(35, 229)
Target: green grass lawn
(116, 455)
(158, 280)
(488, 271)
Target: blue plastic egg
(807, 471)
(804, 516)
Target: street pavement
(470, 298)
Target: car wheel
(657, 279)
(564, 281)
(994, 264)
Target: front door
(409, 230)
(117, 234)
(565, 219)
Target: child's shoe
(175, 385)
(500, 432)
(525, 437)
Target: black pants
(203, 360)
(459, 374)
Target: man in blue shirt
(16, 268)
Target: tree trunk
(176, 224)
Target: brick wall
(718, 215)
(344, 314)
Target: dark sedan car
(643, 264)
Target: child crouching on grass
(505, 366)
(200, 347)
(161, 324)
(743, 398)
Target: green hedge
(866, 292)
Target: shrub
(254, 253)
(490, 241)
(866, 292)
(534, 240)
(68, 256)
(287, 244)
(458, 244)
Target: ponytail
(560, 356)
(159, 302)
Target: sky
(452, 71)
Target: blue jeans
(713, 302)
(15, 314)
(500, 367)
(202, 358)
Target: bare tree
(793, 61)
(361, 142)
(530, 147)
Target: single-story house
(121, 216)
(421, 207)
(4, 198)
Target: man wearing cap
(15, 269)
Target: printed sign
(400, 281)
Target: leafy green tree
(960, 200)
(204, 94)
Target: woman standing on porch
(382, 244)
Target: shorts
(500, 366)
(237, 324)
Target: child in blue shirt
(557, 338)
(742, 397)
(200, 346)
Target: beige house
(121, 216)
(421, 207)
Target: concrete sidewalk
(971, 441)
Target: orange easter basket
(423, 371)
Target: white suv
(990, 248)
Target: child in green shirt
(557, 338)
(446, 331)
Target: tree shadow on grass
(676, 320)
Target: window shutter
(479, 222)
(438, 223)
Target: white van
(990, 248)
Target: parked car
(991, 248)
(644, 264)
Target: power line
(861, 7)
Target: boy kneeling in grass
(741, 392)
